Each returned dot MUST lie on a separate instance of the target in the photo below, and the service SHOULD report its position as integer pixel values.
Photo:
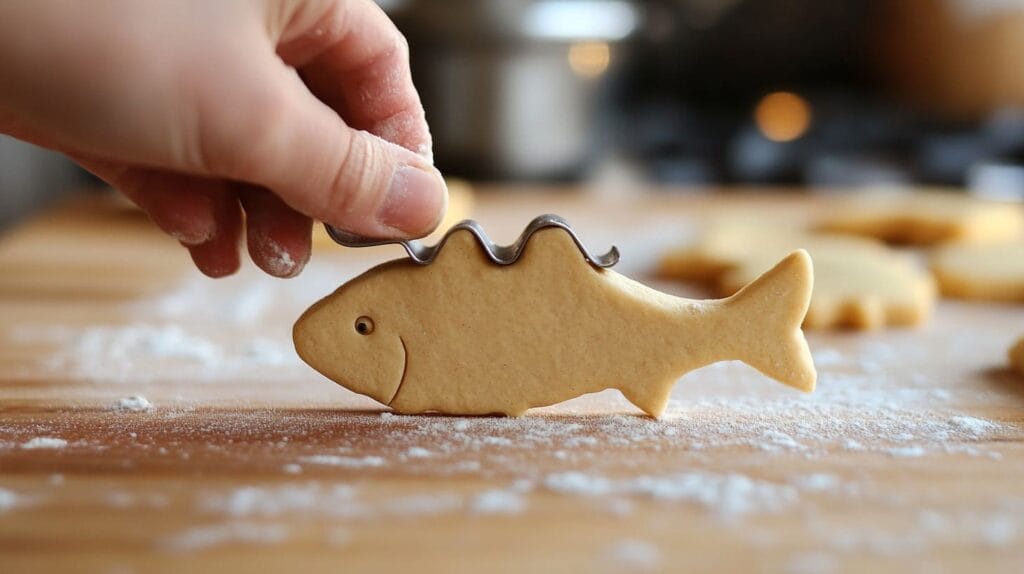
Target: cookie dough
(854, 287)
(993, 272)
(464, 335)
(727, 241)
(859, 283)
(925, 218)
(1017, 356)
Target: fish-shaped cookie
(464, 335)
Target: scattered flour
(812, 563)
(999, 527)
(972, 425)
(344, 461)
(499, 502)
(905, 451)
(810, 429)
(337, 536)
(819, 482)
(828, 358)
(418, 452)
(852, 445)
(281, 264)
(422, 505)
(1001, 531)
(271, 501)
(636, 554)
(496, 441)
(727, 496)
(205, 537)
(618, 507)
(9, 500)
(41, 442)
(343, 501)
(132, 500)
(134, 404)
(145, 353)
(232, 302)
(265, 352)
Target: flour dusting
(271, 501)
(147, 353)
(44, 442)
(9, 500)
(345, 461)
(281, 263)
(499, 502)
(205, 537)
(637, 554)
(728, 496)
(134, 404)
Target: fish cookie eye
(364, 325)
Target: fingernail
(415, 202)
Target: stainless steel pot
(511, 87)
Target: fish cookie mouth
(405, 369)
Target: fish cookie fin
(460, 248)
(766, 316)
(651, 399)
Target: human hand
(198, 110)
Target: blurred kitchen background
(691, 93)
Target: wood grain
(908, 458)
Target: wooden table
(909, 457)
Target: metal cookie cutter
(500, 254)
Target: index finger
(354, 59)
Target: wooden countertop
(909, 457)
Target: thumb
(278, 135)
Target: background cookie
(858, 287)
(925, 218)
(727, 242)
(858, 282)
(992, 272)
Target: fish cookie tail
(766, 316)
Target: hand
(198, 110)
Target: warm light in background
(575, 20)
(782, 116)
(590, 59)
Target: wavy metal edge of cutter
(500, 254)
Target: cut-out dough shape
(1017, 356)
(992, 272)
(859, 283)
(726, 241)
(925, 218)
(466, 336)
